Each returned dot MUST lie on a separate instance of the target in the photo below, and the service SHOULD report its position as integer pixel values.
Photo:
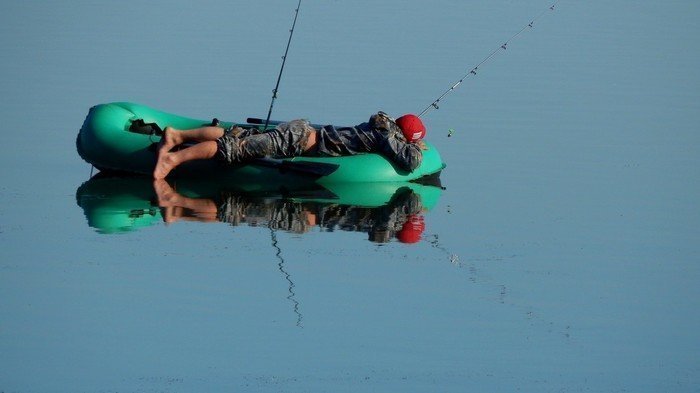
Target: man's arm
(408, 156)
(393, 145)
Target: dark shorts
(285, 140)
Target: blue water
(562, 255)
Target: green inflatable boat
(121, 137)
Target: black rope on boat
(472, 71)
(284, 60)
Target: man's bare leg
(204, 149)
(173, 137)
(167, 161)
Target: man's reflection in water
(401, 217)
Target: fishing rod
(284, 60)
(434, 104)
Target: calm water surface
(562, 255)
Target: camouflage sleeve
(382, 121)
(394, 145)
(406, 155)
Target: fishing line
(287, 276)
(504, 46)
(284, 60)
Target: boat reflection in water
(117, 204)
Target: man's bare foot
(166, 162)
(170, 139)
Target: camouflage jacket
(379, 135)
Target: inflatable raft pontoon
(122, 137)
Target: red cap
(412, 229)
(412, 127)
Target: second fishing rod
(472, 71)
(284, 60)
